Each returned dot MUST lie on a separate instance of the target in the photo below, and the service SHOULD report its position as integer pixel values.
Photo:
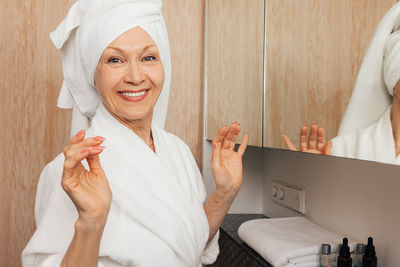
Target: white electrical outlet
(290, 196)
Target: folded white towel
(284, 239)
(305, 259)
(304, 264)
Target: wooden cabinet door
(313, 53)
(234, 75)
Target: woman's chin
(135, 116)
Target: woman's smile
(134, 96)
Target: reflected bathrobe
(156, 217)
(375, 142)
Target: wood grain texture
(185, 22)
(313, 53)
(235, 33)
(33, 129)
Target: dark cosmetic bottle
(369, 258)
(344, 258)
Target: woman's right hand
(88, 190)
(315, 143)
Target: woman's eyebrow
(115, 48)
(121, 50)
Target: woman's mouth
(134, 96)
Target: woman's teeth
(132, 94)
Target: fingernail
(80, 132)
(99, 138)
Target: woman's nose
(134, 74)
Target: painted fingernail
(80, 132)
(99, 138)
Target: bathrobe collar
(153, 189)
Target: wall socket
(290, 196)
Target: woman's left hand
(226, 163)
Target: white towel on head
(371, 96)
(280, 241)
(90, 26)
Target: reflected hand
(226, 163)
(88, 190)
(314, 144)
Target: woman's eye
(114, 60)
(149, 58)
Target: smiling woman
(141, 200)
(130, 79)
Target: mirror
(277, 65)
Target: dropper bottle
(344, 259)
(369, 258)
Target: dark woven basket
(233, 252)
(233, 255)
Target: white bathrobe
(156, 217)
(374, 142)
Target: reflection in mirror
(312, 68)
(370, 127)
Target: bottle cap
(360, 248)
(326, 249)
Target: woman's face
(130, 76)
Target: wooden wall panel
(34, 130)
(235, 33)
(185, 22)
(313, 53)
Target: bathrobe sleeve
(211, 252)
(55, 217)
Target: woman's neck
(395, 119)
(141, 127)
